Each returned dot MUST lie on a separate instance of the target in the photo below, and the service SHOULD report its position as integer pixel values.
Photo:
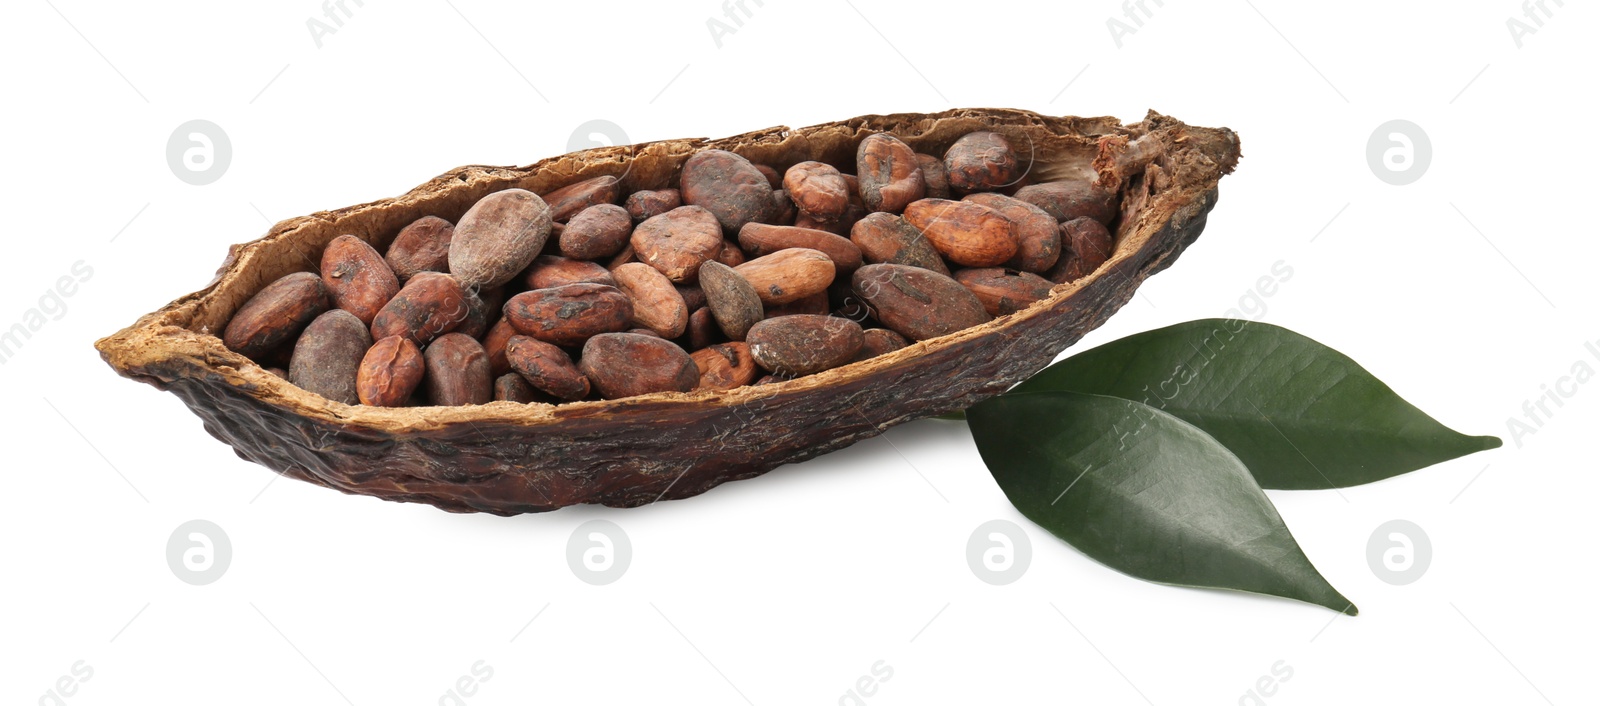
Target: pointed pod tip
(1489, 442)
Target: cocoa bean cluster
(742, 274)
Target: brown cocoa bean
(357, 277)
(887, 238)
(279, 372)
(1038, 234)
(787, 275)
(916, 303)
(774, 179)
(783, 210)
(643, 332)
(598, 231)
(494, 344)
(888, 172)
(546, 367)
(656, 304)
(1068, 199)
(422, 246)
(693, 296)
(935, 180)
(430, 304)
(731, 298)
(569, 200)
(967, 233)
(627, 364)
(483, 309)
(678, 241)
(760, 239)
(702, 330)
(512, 387)
(814, 304)
(498, 237)
(568, 315)
(622, 258)
(457, 371)
(1085, 246)
(728, 186)
(328, 356)
(817, 189)
(725, 366)
(878, 341)
(980, 161)
(390, 371)
(730, 254)
(1004, 290)
(276, 314)
(643, 205)
(553, 271)
(804, 344)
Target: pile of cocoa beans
(741, 275)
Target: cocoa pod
(804, 344)
(815, 304)
(1068, 199)
(935, 180)
(457, 371)
(787, 275)
(494, 344)
(656, 304)
(357, 277)
(878, 341)
(568, 315)
(422, 246)
(817, 190)
(967, 233)
(430, 304)
(728, 186)
(1003, 290)
(980, 161)
(887, 238)
(628, 364)
(512, 387)
(546, 367)
(328, 356)
(553, 271)
(390, 371)
(1085, 245)
(276, 314)
(569, 200)
(760, 239)
(888, 172)
(916, 303)
(725, 366)
(598, 231)
(498, 237)
(1038, 234)
(678, 241)
(731, 298)
(643, 205)
(702, 331)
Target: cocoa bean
(546, 367)
(783, 210)
(422, 246)
(656, 304)
(483, 309)
(1085, 246)
(916, 303)
(878, 341)
(731, 298)
(1068, 199)
(730, 254)
(494, 344)
(498, 237)
(390, 371)
(967, 233)
(980, 161)
(357, 277)
(328, 356)
(804, 344)
(457, 371)
(598, 231)
(643, 205)
(568, 315)
(888, 172)
(693, 296)
(678, 241)
(1038, 234)
(728, 186)
(569, 200)
(1003, 290)
(628, 364)
(814, 304)
(702, 331)
(774, 179)
(430, 304)
(787, 275)
(725, 366)
(760, 239)
(553, 271)
(276, 314)
(818, 191)
(935, 180)
(512, 387)
(887, 238)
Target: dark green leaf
(1142, 492)
(1299, 414)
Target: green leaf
(1143, 492)
(1301, 415)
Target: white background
(1470, 291)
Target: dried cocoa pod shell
(494, 344)
(430, 304)
(628, 364)
(916, 303)
(508, 459)
(389, 372)
(643, 205)
(702, 331)
(276, 314)
(731, 298)
(598, 231)
(1069, 199)
(980, 161)
(569, 200)
(553, 271)
(787, 275)
(804, 344)
(1038, 234)
(889, 239)
(422, 246)
(878, 341)
(357, 277)
(725, 366)
(328, 356)
(815, 304)
(888, 174)
(568, 315)
(678, 241)
(498, 237)
(1085, 245)
(546, 367)
(457, 371)
(1004, 290)
(935, 180)
(759, 239)
(817, 190)
(656, 304)
(511, 387)
(967, 233)
(728, 186)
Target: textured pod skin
(276, 314)
(804, 343)
(916, 303)
(328, 356)
(733, 301)
(498, 237)
(553, 271)
(568, 315)
(888, 174)
(818, 190)
(429, 305)
(457, 371)
(508, 459)
(788, 275)
(889, 239)
(422, 246)
(628, 364)
(1038, 234)
(546, 367)
(728, 186)
(980, 161)
(1069, 199)
(759, 239)
(357, 277)
(678, 241)
(390, 371)
(569, 201)
(598, 231)
(724, 366)
(1086, 245)
(656, 304)
(967, 233)
(643, 205)
(1003, 290)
